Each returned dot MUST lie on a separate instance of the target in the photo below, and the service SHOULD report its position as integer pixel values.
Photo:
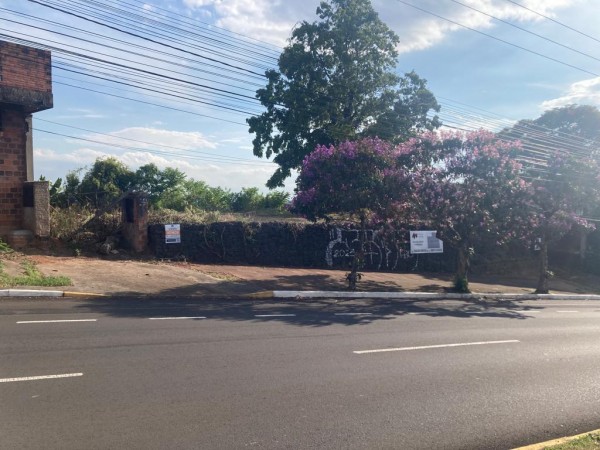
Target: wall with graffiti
(295, 245)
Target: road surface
(184, 373)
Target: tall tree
(560, 153)
(562, 190)
(350, 180)
(155, 182)
(573, 129)
(105, 181)
(467, 187)
(336, 82)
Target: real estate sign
(173, 233)
(425, 242)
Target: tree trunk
(461, 283)
(357, 259)
(542, 286)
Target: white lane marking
(58, 321)
(424, 347)
(353, 314)
(567, 311)
(176, 318)
(41, 377)
(275, 315)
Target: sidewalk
(127, 277)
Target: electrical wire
(553, 20)
(550, 58)
(231, 158)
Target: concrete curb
(553, 442)
(82, 294)
(421, 295)
(29, 293)
(44, 293)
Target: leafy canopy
(336, 82)
(350, 179)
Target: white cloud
(273, 20)
(155, 138)
(586, 92)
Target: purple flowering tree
(349, 181)
(563, 188)
(468, 187)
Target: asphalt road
(157, 374)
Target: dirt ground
(125, 274)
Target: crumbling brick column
(25, 88)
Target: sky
(172, 82)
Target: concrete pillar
(29, 147)
(36, 207)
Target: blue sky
(479, 81)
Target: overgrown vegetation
(108, 179)
(31, 277)
(4, 247)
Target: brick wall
(25, 68)
(13, 168)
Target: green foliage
(4, 247)
(108, 179)
(155, 182)
(105, 182)
(249, 199)
(336, 81)
(461, 284)
(277, 200)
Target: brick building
(25, 88)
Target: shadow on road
(304, 313)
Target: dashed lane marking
(354, 314)
(176, 318)
(275, 315)
(41, 377)
(58, 321)
(425, 347)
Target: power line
(232, 158)
(553, 20)
(142, 87)
(525, 30)
(550, 58)
(183, 24)
(153, 104)
(181, 17)
(141, 27)
(147, 39)
(158, 152)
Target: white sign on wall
(173, 233)
(425, 242)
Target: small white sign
(425, 242)
(173, 233)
